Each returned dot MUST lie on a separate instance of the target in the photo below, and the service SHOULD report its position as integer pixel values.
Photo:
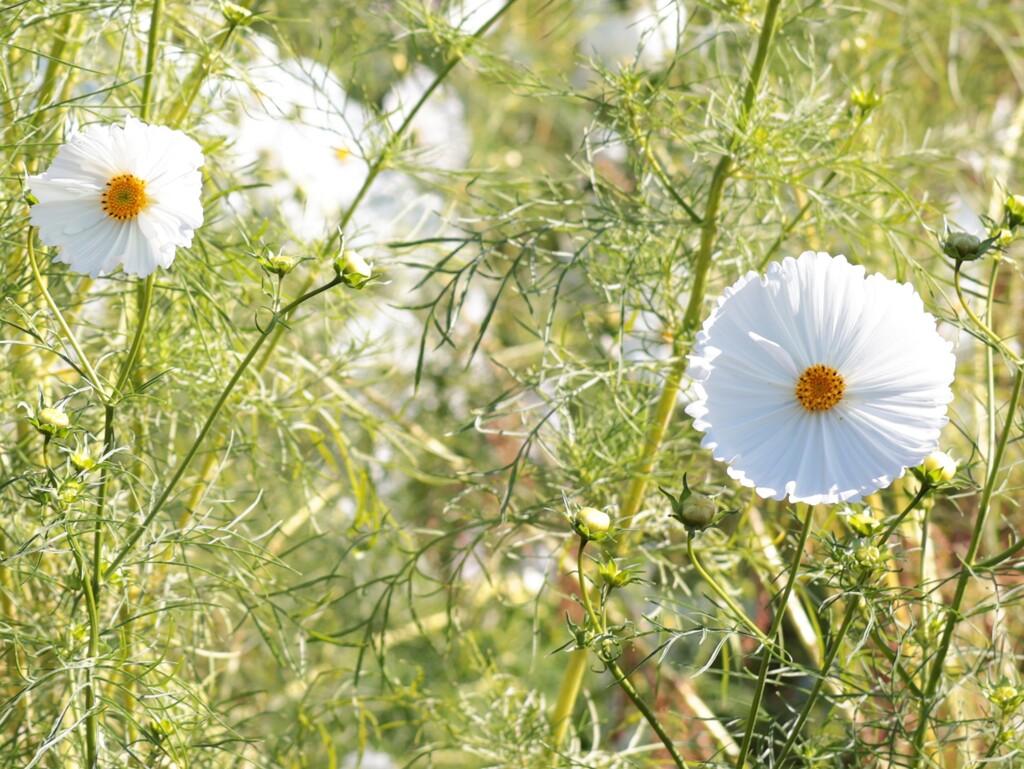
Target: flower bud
(963, 247)
(691, 508)
(236, 14)
(1013, 208)
(69, 492)
(697, 510)
(1003, 237)
(939, 467)
(352, 269)
(279, 264)
(53, 418)
(611, 576)
(865, 99)
(863, 524)
(869, 557)
(592, 523)
(82, 460)
(1007, 698)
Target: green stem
(648, 714)
(153, 44)
(929, 700)
(593, 616)
(92, 608)
(993, 338)
(90, 373)
(721, 593)
(844, 627)
(131, 541)
(572, 680)
(701, 268)
(141, 324)
(780, 613)
(597, 622)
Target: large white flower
(120, 196)
(817, 383)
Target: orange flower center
(124, 197)
(820, 388)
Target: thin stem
(721, 593)
(142, 322)
(648, 714)
(929, 701)
(844, 627)
(210, 419)
(780, 613)
(90, 373)
(153, 44)
(92, 608)
(593, 616)
(993, 338)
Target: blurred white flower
(641, 33)
(120, 196)
(818, 383)
(292, 122)
(371, 759)
(439, 130)
(470, 15)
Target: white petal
(819, 309)
(69, 212)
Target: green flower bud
(82, 460)
(869, 557)
(352, 269)
(939, 467)
(691, 508)
(592, 523)
(865, 99)
(1013, 208)
(236, 14)
(863, 524)
(612, 576)
(69, 492)
(1007, 698)
(54, 418)
(279, 264)
(1002, 236)
(963, 247)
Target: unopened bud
(963, 247)
(279, 264)
(352, 269)
(939, 467)
(236, 14)
(865, 99)
(1013, 208)
(1007, 698)
(82, 460)
(864, 524)
(592, 523)
(56, 419)
(869, 557)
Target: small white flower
(120, 196)
(817, 383)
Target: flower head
(120, 196)
(818, 383)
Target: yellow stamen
(819, 388)
(124, 197)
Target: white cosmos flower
(120, 196)
(817, 383)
